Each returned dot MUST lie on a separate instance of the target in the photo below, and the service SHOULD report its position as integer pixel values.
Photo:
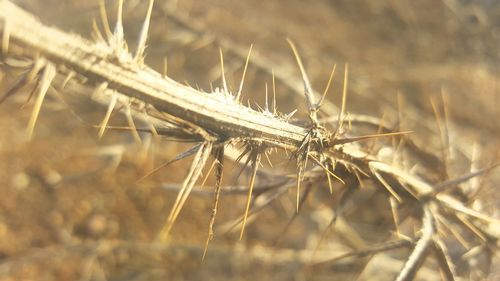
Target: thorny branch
(217, 119)
(418, 255)
(216, 112)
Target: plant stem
(213, 112)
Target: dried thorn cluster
(217, 120)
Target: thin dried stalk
(372, 250)
(219, 161)
(418, 255)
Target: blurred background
(71, 207)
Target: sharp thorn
(308, 92)
(274, 94)
(105, 121)
(165, 66)
(300, 173)
(327, 171)
(141, 46)
(188, 184)
(131, 123)
(238, 95)
(330, 79)
(453, 182)
(68, 77)
(344, 99)
(267, 102)
(224, 83)
(21, 82)
(255, 166)
(208, 173)
(104, 19)
(96, 32)
(385, 184)
(181, 156)
(48, 75)
(6, 37)
(360, 138)
(118, 34)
